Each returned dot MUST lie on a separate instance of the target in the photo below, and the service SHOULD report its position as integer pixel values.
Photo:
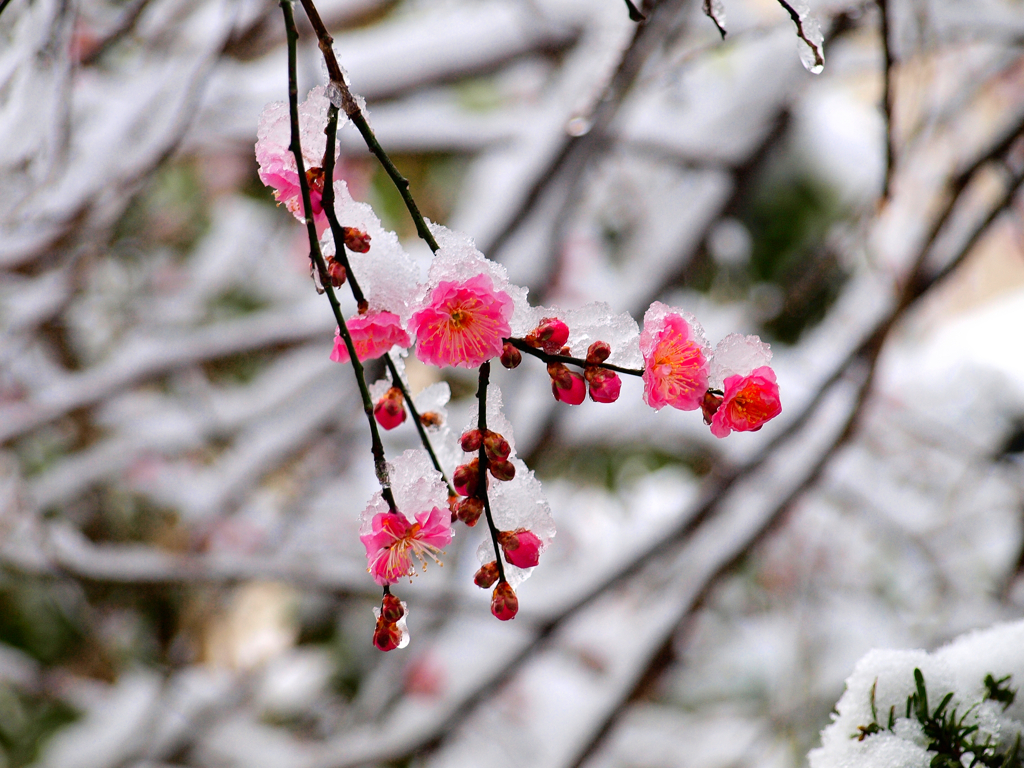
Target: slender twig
(888, 99)
(341, 256)
(377, 447)
(397, 381)
(337, 230)
(481, 483)
(521, 345)
(819, 60)
(350, 105)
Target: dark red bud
(560, 375)
(356, 240)
(391, 609)
(510, 356)
(487, 575)
(469, 511)
(504, 603)
(337, 274)
(496, 446)
(710, 404)
(315, 179)
(598, 352)
(502, 470)
(471, 440)
(466, 478)
(386, 637)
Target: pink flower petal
(749, 402)
(373, 334)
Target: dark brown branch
(888, 98)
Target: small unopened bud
(496, 446)
(521, 546)
(356, 240)
(431, 419)
(470, 441)
(469, 511)
(560, 375)
(387, 637)
(605, 385)
(337, 274)
(502, 470)
(504, 603)
(363, 307)
(466, 478)
(510, 356)
(391, 609)
(390, 409)
(710, 404)
(574, 394)
(315, 179)
(598, 352)
(550, 335)
(487, 575)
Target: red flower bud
(487, 575)
(574, 393)
(521, 547)
(315, 179)
(466, 477)
(390, 409)
(356, 240)
(510, 356)
(386, 637)
(391, 609)
(470, 441)
(550, 335)
(560, 375)
(710, 404)
(504, 603)
(469, 511)
(337, 273)
(496, 446)
(605, 385)
(598, 352)
(502, 470)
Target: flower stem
(522, 346)
(355, 114)
(341, 256)
(481, 424)
(377, 447)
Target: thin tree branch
(888, 99)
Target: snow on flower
(675, 359)
(463, 324)
(373, 334)
(393, 539)
(748, 403)
(275, 158)
(388, 276)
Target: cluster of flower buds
(570, 387)
(465, 314)
(466, 478)
(388, 634)
(390, 409)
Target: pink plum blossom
(277, 163)
(464, 323)
(675, 360)
(373, 334)
(749, 401)
(392, 539)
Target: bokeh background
(182, 468)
